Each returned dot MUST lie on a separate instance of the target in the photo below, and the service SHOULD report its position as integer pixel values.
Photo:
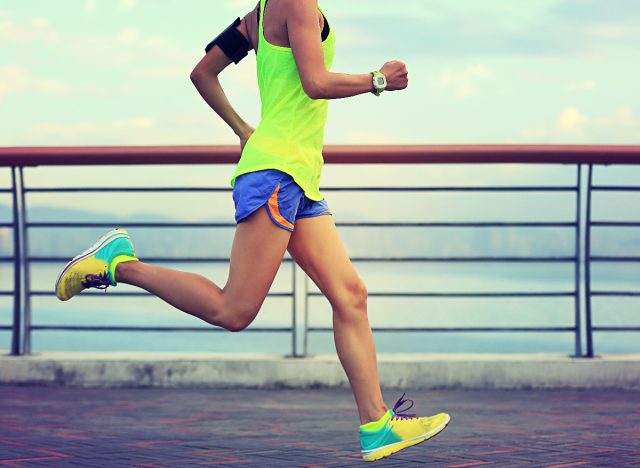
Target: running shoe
(397, 430)
(96, 266)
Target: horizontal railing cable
(150, 329)
(457, 329)
(577, 155)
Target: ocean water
(110, 309)
(102, 308)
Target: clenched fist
(396, 74)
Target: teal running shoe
(96, 266)
(397, 430)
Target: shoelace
(400, 413)
(100, 281)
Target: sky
(116, 72)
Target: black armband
(232, 42)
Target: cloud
(127, 4)
(144, 122)
(30, 30)
(624, 118)
(63, 133)
(597, 11)
(128, 51)
(571, 120)
(537, 76)
(621, 126)
(15, 79)
(610, 31)
(51, 87)
(193, 128)
(541, 28)
(551, 80)
(464, 83)
(90, 6)
(582, 85)
(126, 131)
(39, 22)
(128, 36)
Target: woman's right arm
(319, 83)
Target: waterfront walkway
(49, 426)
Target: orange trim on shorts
(275, 212)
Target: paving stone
(163, 428)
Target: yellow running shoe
(96, 266)
(397, 430)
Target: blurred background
(116, 72)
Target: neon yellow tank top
(290, 135)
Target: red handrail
(333, 154)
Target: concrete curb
(419, 371)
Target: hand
(396, 74)
(244, 137)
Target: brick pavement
(42, 426)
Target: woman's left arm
(205, 78)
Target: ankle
(124, 270)
(374, 414)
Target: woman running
(278, 206)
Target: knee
(237, 318)
(237, 325)
(354, 296)
(359, 294)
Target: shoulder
(300, 5)
(251, 18)
(249, 25)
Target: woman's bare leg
(256, 254)
(316, 246)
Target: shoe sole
(104, 240)
(396, 447)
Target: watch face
(379, 80)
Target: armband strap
(232, 42)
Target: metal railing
(18, 158)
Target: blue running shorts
(285, 200)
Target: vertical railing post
(294, 324)
(577, 297)
(305, 349)
(17, 270)
(299, 322)
(587, 268)
(26, 268)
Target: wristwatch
(379, 83)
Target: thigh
(256, 254)
(316, 246)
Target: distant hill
(359, 241)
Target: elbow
(196, 75)
(315, 89)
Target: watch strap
(375, 90)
